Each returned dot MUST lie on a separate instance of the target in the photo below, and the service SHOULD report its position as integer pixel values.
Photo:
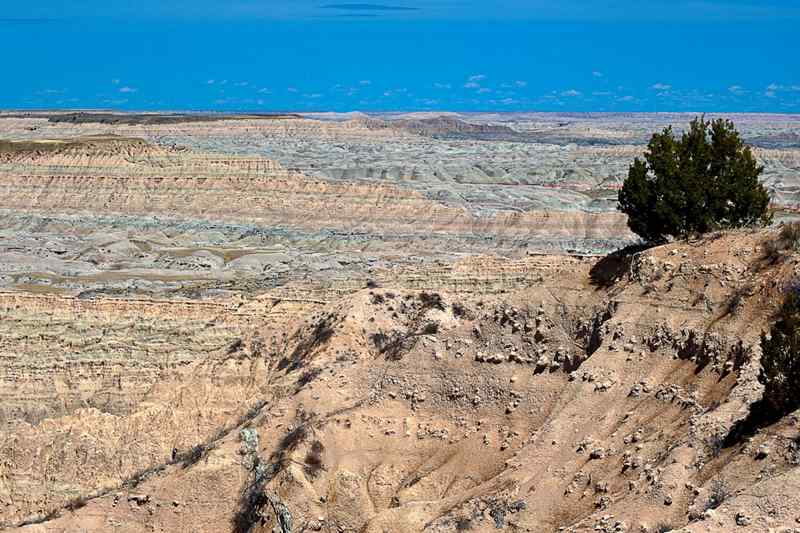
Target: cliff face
(596, 396)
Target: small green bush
(780, 359)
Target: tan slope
(566, 405)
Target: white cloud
(242, 84)
(484, 90)
(365, 82)
(477, 77)
(442, 85)
(602, 93)
(737, 90)
(127, 89)
(627, 98)
(661, 86)
(571, 93)
(775, 87)
(291, 89)
(51, 91)
(471, 85)
(264, 90)
(521, 83)
(210, 82)
(770, 94)
(597, 74)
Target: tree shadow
(611, 268)
(761, 415)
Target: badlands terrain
(385, 323)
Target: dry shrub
(378, 299)
(718, 493)
(460, 310)
(788, 240)
(431, 300)
(313, 461)
(463, 524)
(790, 235)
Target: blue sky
(467, 55)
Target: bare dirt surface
(208, 340)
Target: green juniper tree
(706, 180)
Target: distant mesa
(132, 119)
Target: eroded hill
(598, 398)
(197, 333)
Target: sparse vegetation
(40, 519)
(77, 503)
(430, 328)
(307, 377)
(389, 344)
(378, 299)
(191, 456)
(392, 345)
(256, 347)
(790, 235)
(319, 336)
(460, 310)
(235, 346)
(704, 181)
(737, 300)
(463, 524)
(794, 449)
(780, 359)
(431, 300)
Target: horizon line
(385, 111)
